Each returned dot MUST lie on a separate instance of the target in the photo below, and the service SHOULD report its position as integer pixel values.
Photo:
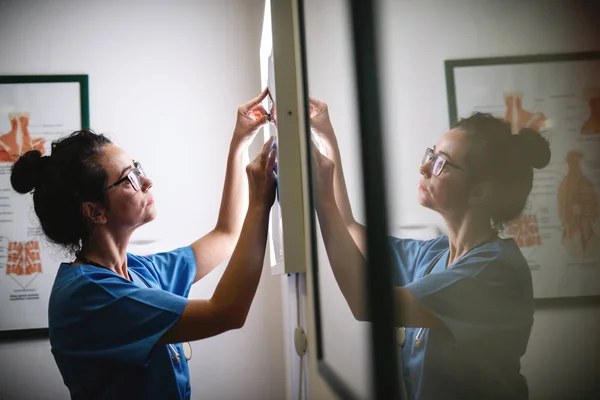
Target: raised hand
(250, 117)
(261, 176)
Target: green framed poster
(34, 111)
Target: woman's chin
(150, 216)
(423, 200)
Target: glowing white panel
(267, 77)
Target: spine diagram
(525, 231)
(23, 258)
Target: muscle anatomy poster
(32, 115)
(559, 231)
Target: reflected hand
(262, 176)
(323, 170)
(320, 122)
(250, 117)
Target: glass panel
(492, 317)
(338, 196)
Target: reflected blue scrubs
(104, 328)
(485, 300)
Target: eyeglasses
(134, 177)
(438, 162)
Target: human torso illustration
(578, 205)
(592, 124)
(520, 118)
(18, 141)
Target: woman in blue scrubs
(117, 320)
(466, 298)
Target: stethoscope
(401, 332)
(187, 347)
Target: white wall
(166, 78)
(417, 36)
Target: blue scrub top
(104, 328)
(485, 300)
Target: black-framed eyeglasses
(438, 162)
(134, 177)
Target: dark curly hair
(61, 183)
(505, 159)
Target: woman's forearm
(228, 308)
(237, 287)
(347, 261)
(342, 199)
(217, 245)
(234, 201)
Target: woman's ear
(94, 212)
(482, 193)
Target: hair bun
(533, 147)
(27, 171)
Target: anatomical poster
(34, 111)
(559, 231)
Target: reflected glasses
(134, 177)
(438, 162)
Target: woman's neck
(108, 252)
(467, 233)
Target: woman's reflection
(465, 298)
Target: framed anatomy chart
(559, 231)
(34, 111)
